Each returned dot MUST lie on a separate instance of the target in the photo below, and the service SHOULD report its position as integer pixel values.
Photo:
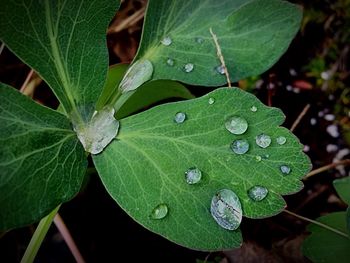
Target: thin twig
(317, 223)
(62, 228)
(327, 167)
(131, 20)
(301, 115)
(221, 57)
(2, 47)
(25, 83)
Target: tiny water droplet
(193, 175)
(211, 101)
(160, 211)
(285, 169)
(199, 40)
(226, 209)
(258, 193)
(266, 156)
(188, 67)
(258, 158)
(166, 41)
(220, 69)
(170, 62)
(281, 140)
(236, 125)
(253, 108)
(240, 146)
(263, 140)
(180, 117)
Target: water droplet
(266, 156)
(285, 169)
(240, 146)
(236, 125)
(170, 62)
(253, 108)
(193, 175)
(188, 67)
(211, 101)
(281, 140)
(263, 140)
(258, 193)
(258, 158)
(160, 211)
(180, 117)
(220, 69)
(166, 41)
(226, 209)
(199, 40)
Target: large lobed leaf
(64, 41)
(42, 163)
(145, 166)
(252, 34)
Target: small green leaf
(42, 163)
(326, 246)
(343, 188)
(64, 41)
(148, 164)
(252, 34)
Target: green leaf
(145, 166)
(64, 41)
(326, 246)
(343, 188)
(42, 163)
(252, 34)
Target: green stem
(38, 237)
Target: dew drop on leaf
(170, 62)
(188, 67)
(236, 125)
(159, 212)
(199, 40)
(226, 209)
(281, 140)
(240, 146)
(258, 158)
(211, 101)
(253, 108)
(220, 69)
(193, 175)
(263, 140)
(285, 169)
(180, 117)
(257, 193)
(166, 41)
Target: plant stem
(327, 167)
(301, 115)
(38, 237)
(317, 223)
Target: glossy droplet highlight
(170, 62)
(263, 140)
(188, 67)
(199, 40)
(180, 117)
(211, 101)
(285, 169)
(220, 69)
(226, 209)
(253, 108)
(193, 175)
(281, 140)
(258, 158)
(160, 211)
(257, 193)
(166, 41)
(240, 146)
(236, 125)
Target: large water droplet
(188, 67)
(180, 117)
(281, 140)
(253, 108)
(166, 41)
(220, 69)
(263, 140)
(159, 212)
(226, 209)
(258, 193)
(193, 175)
(199, 40)
(211, 101)
(236, 125)
(240, 146)
(170, 62)
(285, 169)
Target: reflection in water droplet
(263, 140)
(170, 62)
(253, 109)
(188, 67)
(193, 175)
(285, 169)
(258, 193)
(160, 211)
(240, 146)
(236, 125)
(199, 40)
(211, 101)
(258, 158)
(180, 117)
(220, 69)
(226, 209)
(166, 41)
(281, 140)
